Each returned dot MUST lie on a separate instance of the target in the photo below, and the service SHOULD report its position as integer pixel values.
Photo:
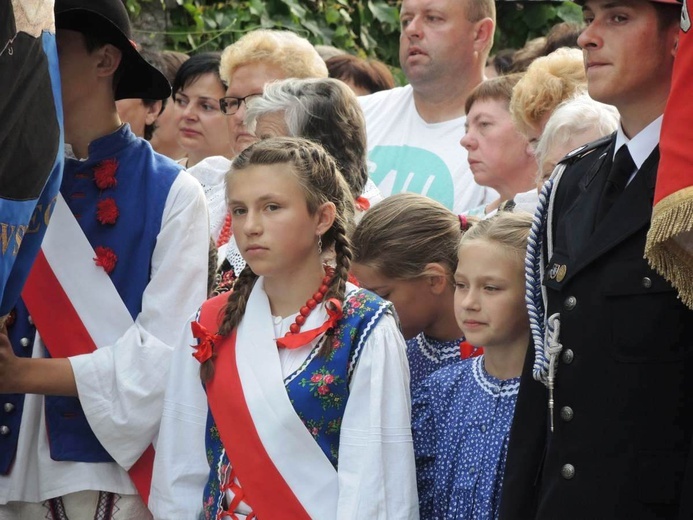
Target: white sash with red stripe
(70, 261)
(75, 305)
(286, 448)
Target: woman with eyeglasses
(202, 128)
(257, 58)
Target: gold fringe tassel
(673, 216)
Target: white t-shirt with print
(407, 154)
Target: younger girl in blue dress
(405, 250)
(462, 414)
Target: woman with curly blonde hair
(548, 82)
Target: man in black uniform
(615, 445)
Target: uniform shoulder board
(585, 150)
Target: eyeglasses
(230, 105)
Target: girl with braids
(305, 376)
(462, 414)
(405, 250)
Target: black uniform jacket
(624, 384)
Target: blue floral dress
(461, 421)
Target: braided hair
(321, 182)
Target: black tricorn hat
(108, 19)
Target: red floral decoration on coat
(106, 258)
(107, 211)
(104, 174)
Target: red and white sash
(281, 469)
(75, 305)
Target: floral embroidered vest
(318, 391)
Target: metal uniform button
(472, 470)
(568, 356)
(483, 428)
(647, 282)
(4, 430)
(24, 342)
(30, 320)
(567, 413)
(8, 407)
(570, 303)
(568, 471)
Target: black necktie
(621, 170)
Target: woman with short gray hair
(322, 110)
(325, 111)
(575, 122)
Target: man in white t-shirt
(414, 131)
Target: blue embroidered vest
(318, 391)
(144, 179)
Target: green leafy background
(367, 28)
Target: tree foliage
(364, 27)
(519, 22)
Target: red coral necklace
(312, 302)
(294, 338)
(225, 233)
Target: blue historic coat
(143, 179)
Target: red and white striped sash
(75, 306)
(281, 469)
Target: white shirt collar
(642, 144)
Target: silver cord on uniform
(545, 332)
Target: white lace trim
(233, 255)
(491, 385)
(371, 192)
(210, 173)
(436, 354)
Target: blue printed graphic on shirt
(411, 169)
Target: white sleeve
(180, 465)
(121, 387)
(377, 476)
